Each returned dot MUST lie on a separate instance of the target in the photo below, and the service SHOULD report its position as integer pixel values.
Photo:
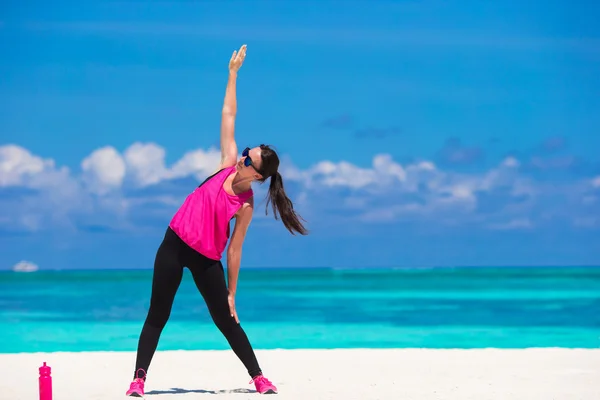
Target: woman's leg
(168, 272)
(210, 280)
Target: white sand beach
(528, 374)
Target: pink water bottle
(45, 383)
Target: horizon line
(538, 266)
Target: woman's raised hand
(237, 59)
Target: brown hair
(280, 203)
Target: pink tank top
(202, 221)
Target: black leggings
(172, 256)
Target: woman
(197, 235)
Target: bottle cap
(45, 368)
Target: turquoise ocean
(311, 308)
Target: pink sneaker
(263, 385)
(136, 388)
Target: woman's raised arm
(228, 145)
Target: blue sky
(412, 133)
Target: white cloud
(342, 174)
(461, 192)
(389, 191)
(384, 171)
(440, 189)
(505, 174)
(18, 166)
(145, 163)
(104, 189)
(96, 191)
(511, 162)
(103, 170)
(54, 192)
(198, 163)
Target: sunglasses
(248, 160)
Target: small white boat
(25, 266)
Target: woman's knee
(225, 323)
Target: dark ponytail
(283, 206)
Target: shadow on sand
(183, 391)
